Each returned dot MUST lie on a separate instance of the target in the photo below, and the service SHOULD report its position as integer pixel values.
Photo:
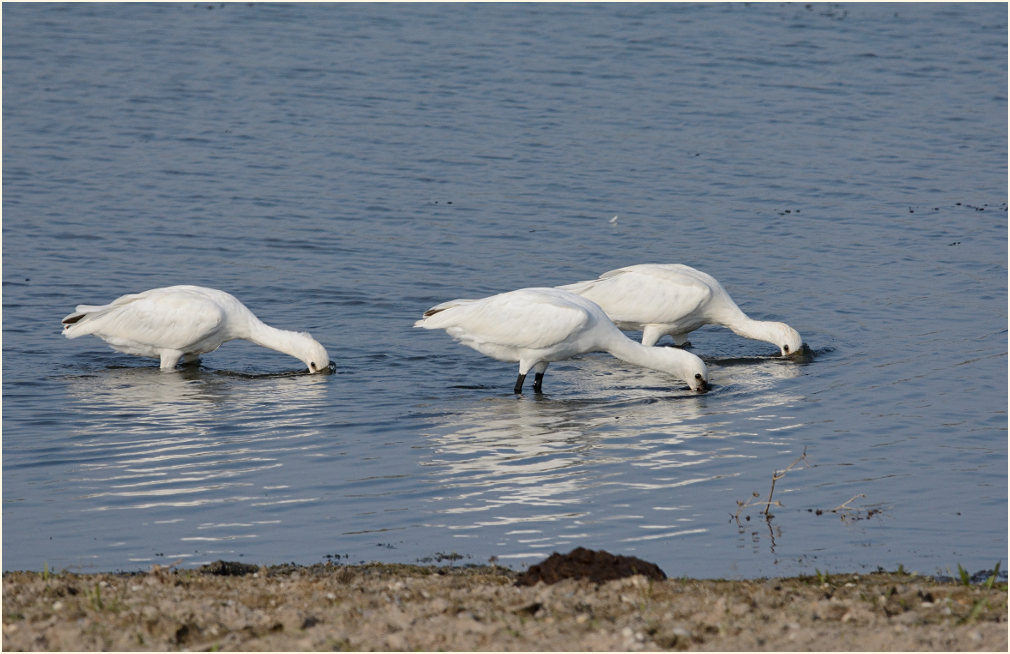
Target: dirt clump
(595, 565)
(382, 607)
(229, 568)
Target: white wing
(649, 293)
(161, 318)
(523, 319)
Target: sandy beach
(408, 607)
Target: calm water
(340, 168)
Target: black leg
(538, 382)
(519, 384)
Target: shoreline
(382, 607)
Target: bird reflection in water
(160, 443)
(627, 451)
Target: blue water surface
(341, 168)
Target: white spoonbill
(183, 322)
(671, 298)
(535, 326)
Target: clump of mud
(228, 569)
(595, 565)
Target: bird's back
(175, 317)
(653, 294)
(528, 319)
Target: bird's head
(697, 377)
(788, 339)
(682, 365)
(314, 355)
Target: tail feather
(431, 312)
(73, 324)
(438, 308)
(82, 310)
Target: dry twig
(779, 474)
(844, 506)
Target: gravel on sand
(228, 606)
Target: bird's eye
(312, 364)
(697, 376)
(785, 348)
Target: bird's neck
(281, 340)
(665, 359)
(760, 330)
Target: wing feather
(524, 319)
(649, 293)
(172, 320)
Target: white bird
(183, 322)
(536, 326)
(675, 299)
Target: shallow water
(342, 168)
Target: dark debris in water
(581, 563)
(849, 514)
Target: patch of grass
(96, 598)
(991, 581)
(963, 575)
(966, 579)
(113, 604)
(976, 610)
